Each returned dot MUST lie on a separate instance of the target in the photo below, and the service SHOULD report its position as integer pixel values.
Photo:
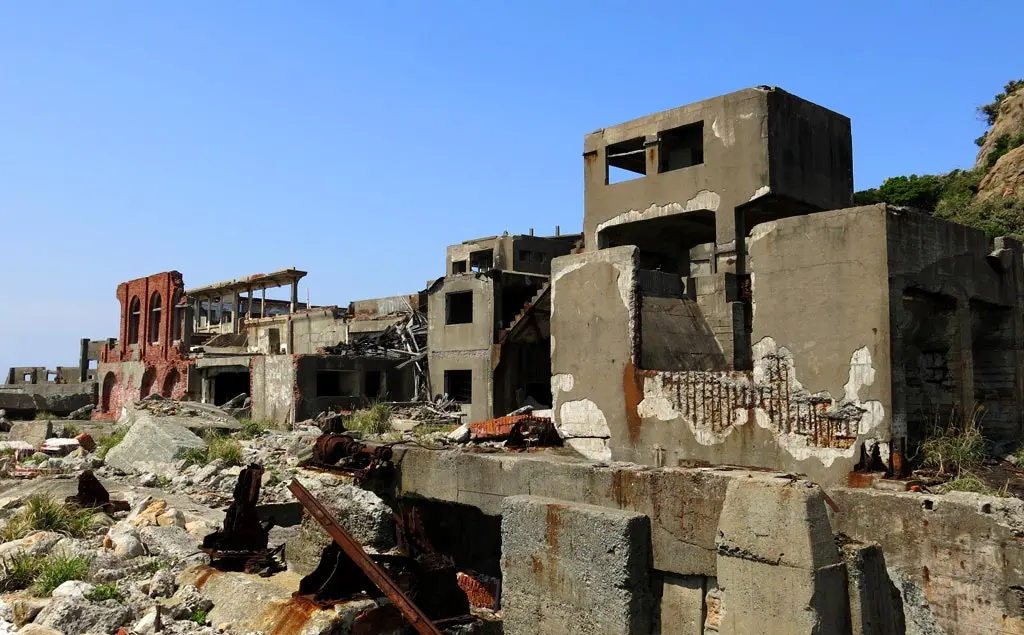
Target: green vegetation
(968, 482)
(18, 571)
(251, 428)
(156, 564)
(70, 431)
(42, 512)
(105, 592)
(990, 111)
(374, 420)
(45, 415)
(1004, 143)
(218, 446)
(55, 570)
(957, 447)
(104, 444)
(200, 617)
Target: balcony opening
(625, 161)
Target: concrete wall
(59, 399)
(273, 388)
(309, 402)
(310, 329)
(463, 346)
(758, 142)
(958, 339)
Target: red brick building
(152, 350)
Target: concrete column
(209, 310)
(248, 302)
(263, 302)
(236, 298)
(83, 360)
(295, 296)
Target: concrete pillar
(236, 301)
(263, 302)
(248, 302)
(83, 360)
(295, 296)
(963, 327)
(209, 310)
(569, 567)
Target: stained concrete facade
(718, 316)
(487, 339)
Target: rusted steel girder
(376, 574)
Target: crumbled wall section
(593, 320)
(133, 369)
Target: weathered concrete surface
(17, 403)
(778, 565)
(571, 568)
(250, 603)
(153, 444)
(876, 607)
(273, 388)
(31, 432)
(59, 399)
(957, 559)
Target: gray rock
(209, 471)
(153, 444)
(31, 432)
(77, 616)
(149, 480)
(187, 600)
(26, 609)
(149, 624)
(161, 585)
(126, 540)
(171, 541)
(73, 589)
(36, 629)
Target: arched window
(134, 314)
(154, 318)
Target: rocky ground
(140, 571)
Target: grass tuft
(958, 446)
(251, 428)
(968, 482)
(105, 444)
(200, 617)
(18, 571)
(70, 431)
(42, 512)
(218, 446)
(105, 592)
(56, 570)
(374, 420)
(45, 415)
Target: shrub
(1004, 143)
(105, 592)
(42, 512)
(104, 444)
(374, 420)
(45, 415)
(18, 571)
(156, 564)
(958, 447)
(56, 570)
(990, 111)
(199, 617)
(996, 216)
(70, 431)
(196, 456)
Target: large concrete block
(876, 607)
(572, 568)
(778, 565)
(682, 605)
(31, 432)
(153, 444)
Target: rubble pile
(168, 510)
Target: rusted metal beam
(355, 551)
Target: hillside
(991, 195)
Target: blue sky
(356, 140)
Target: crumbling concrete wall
(273, 382)
(310, 330)
(58, 399)
(593, 348)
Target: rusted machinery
(92, 495)
(242, 543)
(424, 588)
(341, 453)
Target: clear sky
(357, 140)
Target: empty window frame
(337, 383)
(134, 316)
(458, 385)
(459, 266)
(625, 160)
(481, 260)
(154, 318)
(458, 307)
(681, 147)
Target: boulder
(36, 629)
(26, 609)
(172, 542)
(35, 433)
(73, 616)
(73, 589)
(125, 541)
(153, 444)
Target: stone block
(153, 444)
(574, 568)
(876, 607)
(427, 474)
(682, 605)
(32, 432)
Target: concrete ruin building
(730, 307)
(488, 323)
(215, 342)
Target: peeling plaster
(562, 382)
(806, 425)
(582, 418)
(761, 191)
(725, 132)
(702, 200)
(593, 449)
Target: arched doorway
(170, 381)
(148, 379)
(108, 388)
